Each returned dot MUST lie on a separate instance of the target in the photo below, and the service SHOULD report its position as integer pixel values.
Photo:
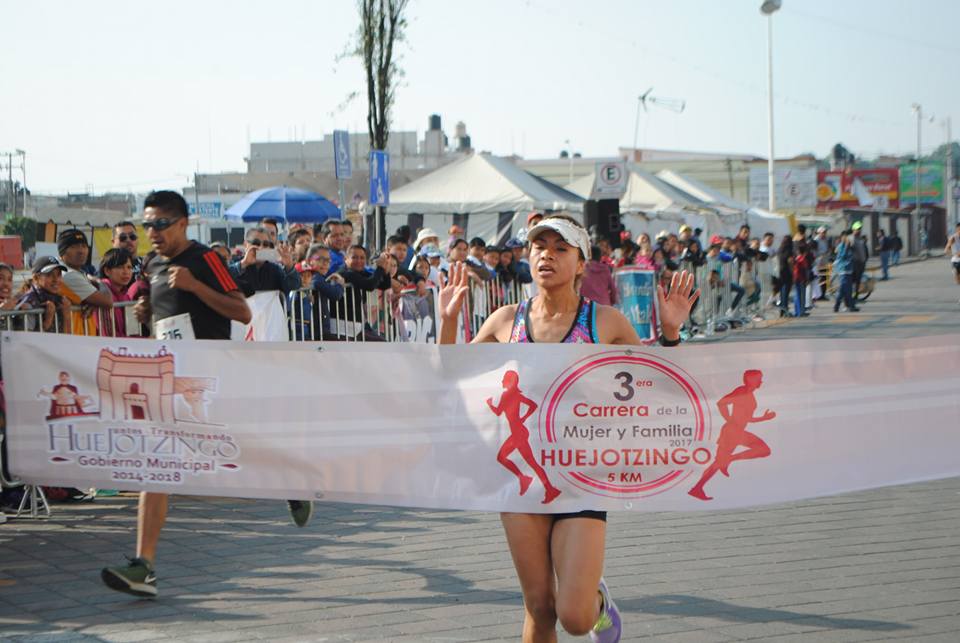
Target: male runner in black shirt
(192, 296)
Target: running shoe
(608, 627)
(137, 578)
(300, 511)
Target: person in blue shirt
(843, 269)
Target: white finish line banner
(534, 428)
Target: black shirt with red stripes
(206, 266)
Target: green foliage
(22, 227)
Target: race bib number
(176, 327)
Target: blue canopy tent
(289, 205)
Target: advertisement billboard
(931, 182)
(870, 187)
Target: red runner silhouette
(734, 432)
(510, 402)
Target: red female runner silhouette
(734, 432)
(519, 440)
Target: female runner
(559, 557)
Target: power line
(890, 37)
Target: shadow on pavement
(684, 605)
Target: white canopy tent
(651, 205)
(760, 221)
(493, 193)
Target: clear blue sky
(131, 95)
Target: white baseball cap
(569, 232)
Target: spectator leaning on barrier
(44, 293)
(354, 273)
(328, 289)
(7, 300)
(397, 247)
(597, 283)
(475, 269)
(260, 269)
(78, 287)
(333, 239)
(116, 271)
(125, 236)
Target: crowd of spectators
(325, 276)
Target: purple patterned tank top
(583, 330)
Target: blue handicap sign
(207, 209)
(341, 154)
(379, 178)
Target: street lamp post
(768, 8)
(918, 110)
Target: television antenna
(675, 105)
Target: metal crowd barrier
(720, 283)
(24, 320)
(488, 296)
(362, 316)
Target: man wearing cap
(860, 256)
(44, 294)
(77, 287)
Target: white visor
(572, 234)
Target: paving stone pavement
(878, 565)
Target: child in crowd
(116, 270)
(44, 293)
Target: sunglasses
(320, 259)
(123, 238)
(160, 224)
(256, 243)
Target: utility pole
(948, 197)
(11, 195)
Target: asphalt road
(879, 565)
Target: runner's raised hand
(675, 305)
(454, 292)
